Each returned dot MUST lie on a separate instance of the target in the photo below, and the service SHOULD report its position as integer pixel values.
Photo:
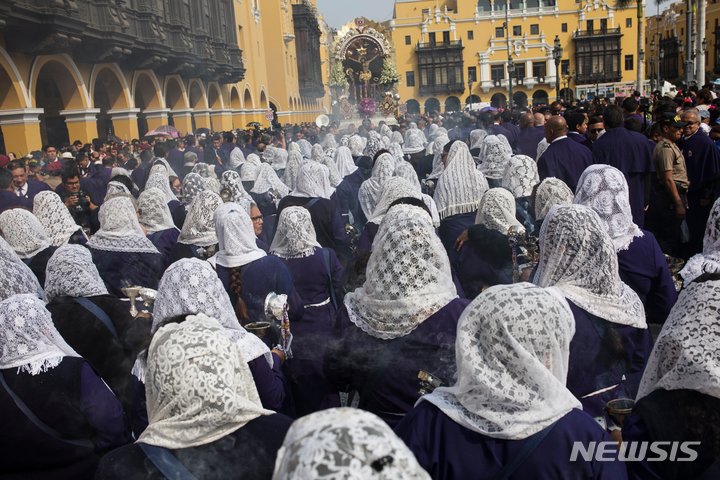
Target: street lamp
(652, 64)
(557, 55)
(470, 94)
(511, 74)
(661, 56)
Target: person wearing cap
(668, 202)
(702, 160)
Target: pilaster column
(156, 117)
(21, 130)
(221, 120)
(81, 124)
(182, 119)
(125, 123)
(202, 118)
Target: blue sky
(338, 12)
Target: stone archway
(432, 104)
(498, 101)
(452, 104)
(540, 97)
(110, 92)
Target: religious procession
(253, 249)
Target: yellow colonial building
(453, 52)
(666, 42)
(81, 70)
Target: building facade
(81, 69)
(666, 45)
(450, 53)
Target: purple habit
(601, 354)
(448, 450)
(385, 372)
(529, 139)
(630, 153)
(644, 268)
(311, 391)
(566, 160)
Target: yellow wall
(269, 56)
(484, 49)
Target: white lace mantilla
(191, 187)
(460, 186)
(292, 169)
(12, 279)
(685, 355)
(408, 276)
(237, 243)
(268, 180)
(71, 272)
(23, 232)
(155, 214)
(120, 230)
(295, 236)
(313, 181)
(497, 211)
(55, 217)
(28, 338)
(345, 443)
(604, 189)
(520, 176)
(344, 162)
(709, 260)
(372, 188)
(199, 388)
(578, 257)
(512, 351)
(551, 191)
(199, 226)
(231, 180)
(495, 153)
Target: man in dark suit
(22, 187)
(564, 159)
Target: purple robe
(9, 200)
(447, 450)
(644, 268)
(384, 372)
(164, 241)
(528, 140)
(601, 353)
(566, 160)
(630, 153)
(347, 194)
(73, 400)
(124, 269)
(484, 260)
(311, 391)
(451, 228)
(504, 131)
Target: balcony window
(441, 67)
(539, 69)
(597, 57)
(629, 62)
(472, 74)
(497, 72)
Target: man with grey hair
(702, 161)
(189, 161)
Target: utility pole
(700, 42)
(689, 71)
(510, 64)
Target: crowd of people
(470, 295)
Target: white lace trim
(120, 230)
(71, 272)
(54, 217)
(460, 187)
(295, 236)
(23, 232)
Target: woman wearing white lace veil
(520, 178)
(159, 179)
(268, 180)
(250, 171)
(62, 390)
(124, 256)
(329, 161)
(20, 276)
(292, 169)
(192, 185)
(313, 191)
(277, 158)
(56, 220)
(345, 443)
(266, 193)
(247, 273)
(407, 309)
(27, 237)
(550, 192)
(679, 395)
(75, 292)
(231, 183)
(396, 151)
(512, 360)
(611, 342)
(405, 170)
(208, 174)
(317, 152)
(641, 262)
(157, 220)
(236, 159)
(329, 141)
(212, 391)
(305, 148)
(707, 262)
(317, 276)
(494, 155)
(356, 146)
(197, 238)
(371, 189)
(438, 164)
(476, 139)
(457, 194)
(347, 190)
(485, 258)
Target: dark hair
(595, 119)
(160, 149)
(228, 137)
(124, 180)
(236, 286)
(45, 147)
(146, 156)
(634, 124)
(379, 152)
(15, 164)
(630, 104)
(68, 173)
(131, 164)
(448, 146)
(614, 117)
(108, 161)
(5, 178)
(217, 136)
(410, 201)
(574, 119)
(656, 129)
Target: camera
(82, 204)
